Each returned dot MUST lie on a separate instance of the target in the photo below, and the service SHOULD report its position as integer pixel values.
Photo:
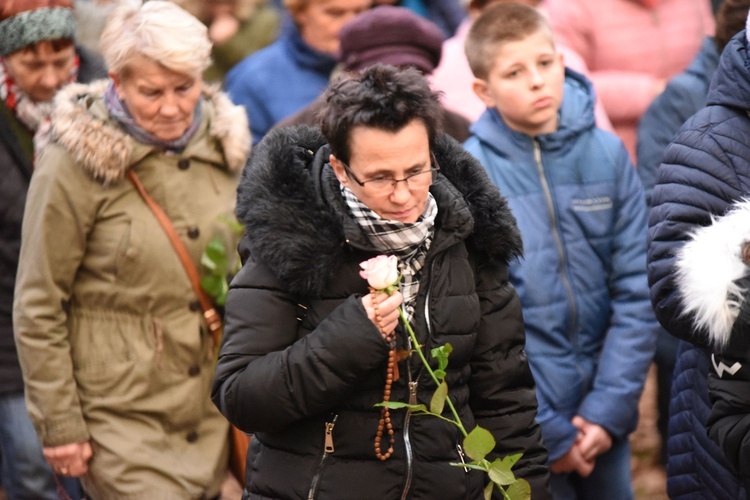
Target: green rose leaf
(216, 252)
(441, 354)
(479, 443)
(520, 490)
(437, 403)
(488, 490)
(212, 284)
(511, 460)
(500, 473)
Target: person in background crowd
(116, 358)
(286, 76)
(236, 28)
(631, 48)
(38, 56)
(388, 35)
(705, 172)
(684, 95)
(377, 178)
(582, 215)
(454, 78)
(447, 15)
(91, 16)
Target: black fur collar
(295, 232)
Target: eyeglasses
(386, 185)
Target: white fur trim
(708, 266)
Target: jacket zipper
(558, 239)
(413, 385)
(407, 425)
(327, 449)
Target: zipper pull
(329, 435)
(413, 392)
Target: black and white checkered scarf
(408, 242)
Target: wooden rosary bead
(391, 372)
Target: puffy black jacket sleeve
(729, 389)
(703, 172)
(267, 377)
(502, 389)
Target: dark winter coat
(713, 283)
(704, 171)
(16, 155)
(301, 356)
(696, 466)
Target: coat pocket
(100, 351)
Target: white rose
(380, 272)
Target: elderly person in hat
(116, 356)
(292, 72)
(388, 35)
(38, 55)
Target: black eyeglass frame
(434, 168)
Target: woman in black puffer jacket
(303, 362)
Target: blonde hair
(158, 30)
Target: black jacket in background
(16, 154)
(284, 371)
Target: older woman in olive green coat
(116, 357)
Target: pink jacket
(454, 78)
(630, 47)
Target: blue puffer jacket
(279, 80)
(705, 170)
(582, 214)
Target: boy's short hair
(501, 23)
(381, 97)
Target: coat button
(183, 164)
(194, 370)
(193, 233)
(192, 437)
(195, 306)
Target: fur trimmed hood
(82, 126)
(708, 268)
(297, 231)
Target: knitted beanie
(26, 22)
(390, 35)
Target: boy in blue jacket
(582, 214)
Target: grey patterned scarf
(408, 242)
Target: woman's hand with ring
(69, 459)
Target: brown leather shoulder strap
(209, 312)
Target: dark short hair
(379, 96)
(730, 20)
(57, 45)
(498, 24)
